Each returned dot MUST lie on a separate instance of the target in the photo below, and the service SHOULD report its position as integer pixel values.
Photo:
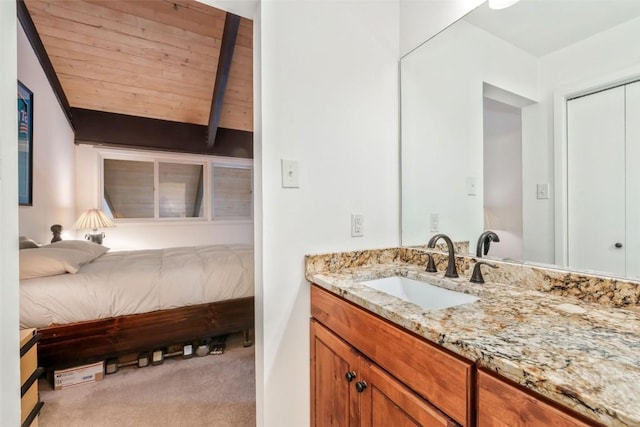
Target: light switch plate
(290, 174)
(542, 191)
(472, 186)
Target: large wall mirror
(526, 121)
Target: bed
(91, 305)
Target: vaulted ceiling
(156, 59)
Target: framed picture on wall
(25, 145)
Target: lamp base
(56, 229)
(95, 237)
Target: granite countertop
(583, 355)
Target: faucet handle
(431, 265)
(476, 276)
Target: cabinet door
(384, 402)
(503, 405)
(333, 397)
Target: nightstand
(30, 404)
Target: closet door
(596, 181)
(633, 179)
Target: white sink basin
(420, 293)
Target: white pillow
(27, 243)
(80, 245)
(43, 262)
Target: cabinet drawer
(437, 376)
(28, 402)
(28, 363)
(501, 404)
(26, 335)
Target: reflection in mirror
(502, 129)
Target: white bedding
(131, 282)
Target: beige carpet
(201, 391)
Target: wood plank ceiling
(146, 58)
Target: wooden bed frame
(85, 342)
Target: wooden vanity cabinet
(409, 381)
(501, 404)
(407, 378)
(347, 389)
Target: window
(128, 188)
(180, 190)
(232, 195)
(157, 186)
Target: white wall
(156, 235)
(330, 101)
(422, 19)
(53, 153)
(503, 177)
(442, 127)
(607, 53)
(9, 336)
(149, 234)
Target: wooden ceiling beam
(229, 36)
(38, 47)
(121, 130)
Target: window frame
(207, 162)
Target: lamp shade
(93, 218)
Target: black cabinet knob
(350, 376)
(360, 386)
(618, 245)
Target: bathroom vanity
(350, 339)
(517, 356)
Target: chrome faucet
(451, 263)
(484, 241)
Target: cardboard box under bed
(65, 378)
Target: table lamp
(93, 219)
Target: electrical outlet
(357, 225)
